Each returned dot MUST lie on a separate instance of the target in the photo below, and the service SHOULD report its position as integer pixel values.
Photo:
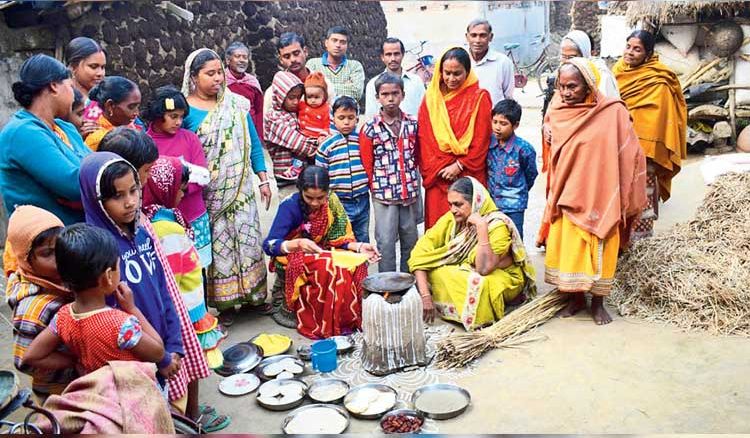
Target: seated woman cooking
(472, 261)
(322, 294)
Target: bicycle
(425, 63)
(543, 67)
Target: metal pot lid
(240, 358)
(389, 282)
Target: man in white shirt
(392, 54)
(494, 69)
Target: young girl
(92, 331)
(75, 117)
(35, 293)
(119, 99)
(111, 199)
(161, 196)
(165, 112)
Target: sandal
(261, 309)
(205, 410)
(226, 318)
(213, 422)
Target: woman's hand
(428, 309)
(450, 173)
(88, 127)
(265, 195)
(547, 133)
(477, 220)
(373, 255)
(307, 246)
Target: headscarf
(440, 119)
(653, 95)
(24, 225)
(162, 188)
(581, 40)
(246, 79)
(597, 174)
(224, 134)
(277, 121)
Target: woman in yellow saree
(472, 261)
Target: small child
(314, 116)
(388, 145)
(165, 112)
(75, 117)
(161, 196)
(511, 163)
(88, 263)
(340, 154)
(36, 293)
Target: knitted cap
(316, 79)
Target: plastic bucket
(324, 355)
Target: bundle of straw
(697, 274)
(460, 349)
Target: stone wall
(149, 45)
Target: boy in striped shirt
(339, 153)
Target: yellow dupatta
(439, 118)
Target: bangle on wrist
(284, 247)
(485, 244)
(460, 166)
(264, 183)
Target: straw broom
(460, 349)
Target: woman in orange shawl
(454, 130)
(654, 98)
(597, 188)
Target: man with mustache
(237, 60)
(392, 55)
(346, 75)
(494, 70)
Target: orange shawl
(654, 98)
(597, 168)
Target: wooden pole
(733, 106)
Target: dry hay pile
(696, 275)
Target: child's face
(42, 260)
(502, 127)
(345, 120)
(76, 116)
(113, 278)
(390, 97)
(144, 173)
(315, 96)
(123, 206)
(171, 122)
(291, 102)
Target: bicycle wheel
(543, 72)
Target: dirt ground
(626, 377)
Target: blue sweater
(38, 168)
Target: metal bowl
(273, 359)
(326, 382)
(388, 282)
(404, 412)
(341, 411)
(441, 387)
(285, 406)
(344, 344)
(304, 352)
(8, 387)
(240, 358)
(379, 387)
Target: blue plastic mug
(324, 355)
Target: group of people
(125, 225)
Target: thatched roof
(664, 12)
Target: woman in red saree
(318, 278)
(454, 130)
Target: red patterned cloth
(194, 364)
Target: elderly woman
(596, 188)
(311, 242)
(472, 261)
(454, 130)
(40, 154)
(654, 98)
(233, 150)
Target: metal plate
(405, 412)
(239, 384)
(274, 359)
(344, 344)
(379, 387)
(240, 358)
(327, 382)
(285, 406)
(390, 282)
(338, 409)
(440, 387)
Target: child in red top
(314, 116)
(88, 263)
